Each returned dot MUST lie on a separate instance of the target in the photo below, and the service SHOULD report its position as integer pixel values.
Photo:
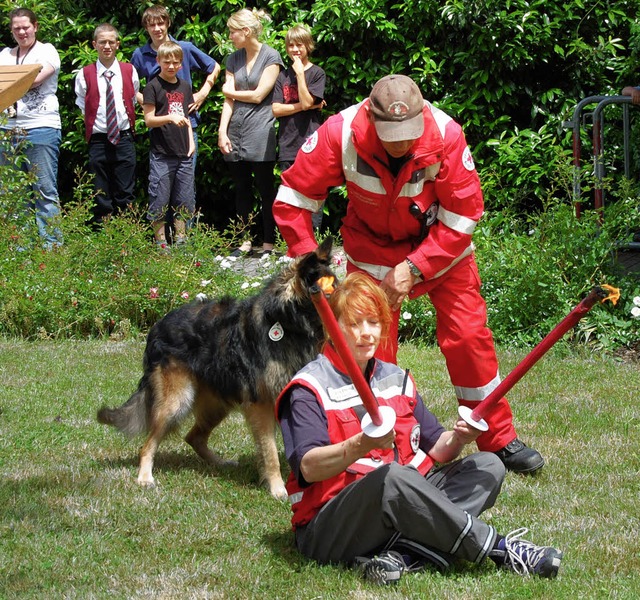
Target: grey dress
(252, 126)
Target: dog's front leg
(262, 423)
(145, 476)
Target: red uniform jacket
(379, 230)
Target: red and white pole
(476, 417)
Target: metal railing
(598, 144)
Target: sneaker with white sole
(383, 569)
(525, 558)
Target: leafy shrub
(501, 70)
(535, 273)
(106, 282)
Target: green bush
(534, 273)
(106, 282)
(504, 71)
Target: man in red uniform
(414, 199)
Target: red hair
(357, 295)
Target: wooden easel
(15, 81)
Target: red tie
(113, 131)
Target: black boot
(519, 458)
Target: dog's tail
(132, 417)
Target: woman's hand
(224, 143)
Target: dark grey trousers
(439, 510)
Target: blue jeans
(42, 149)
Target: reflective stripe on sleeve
(288, 195)
(456, 222)
(294, 498)
(476, 394)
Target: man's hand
(397, 284)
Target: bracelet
(414, 270)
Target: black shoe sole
(529, 471)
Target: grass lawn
(74, 523)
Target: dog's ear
(323, 251)
(315, 264)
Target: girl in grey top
(247, 135)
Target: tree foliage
(508, 70)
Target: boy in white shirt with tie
(106, 94)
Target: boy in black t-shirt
(171, 177)
(298, 99)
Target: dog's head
(309, 268)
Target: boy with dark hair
(166, 108)
(106, 94)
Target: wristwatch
(414, 270)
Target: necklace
(21, 62)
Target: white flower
(256, 284)
(636, 300)
(219, 258)
(225, 264)
(201, 297)
(635, 312)
(205, 282)
(406, 315)
(244, 286)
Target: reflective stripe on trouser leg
(467, 345)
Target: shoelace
(522, 555)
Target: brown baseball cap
(396, 105)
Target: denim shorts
(171, 183)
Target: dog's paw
(146, 481)
(278, 491)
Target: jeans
(42, 149)
(170, 185)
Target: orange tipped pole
(597, 294)
(476, 417)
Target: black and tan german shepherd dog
(209, 358)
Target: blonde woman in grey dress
(247, 136)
